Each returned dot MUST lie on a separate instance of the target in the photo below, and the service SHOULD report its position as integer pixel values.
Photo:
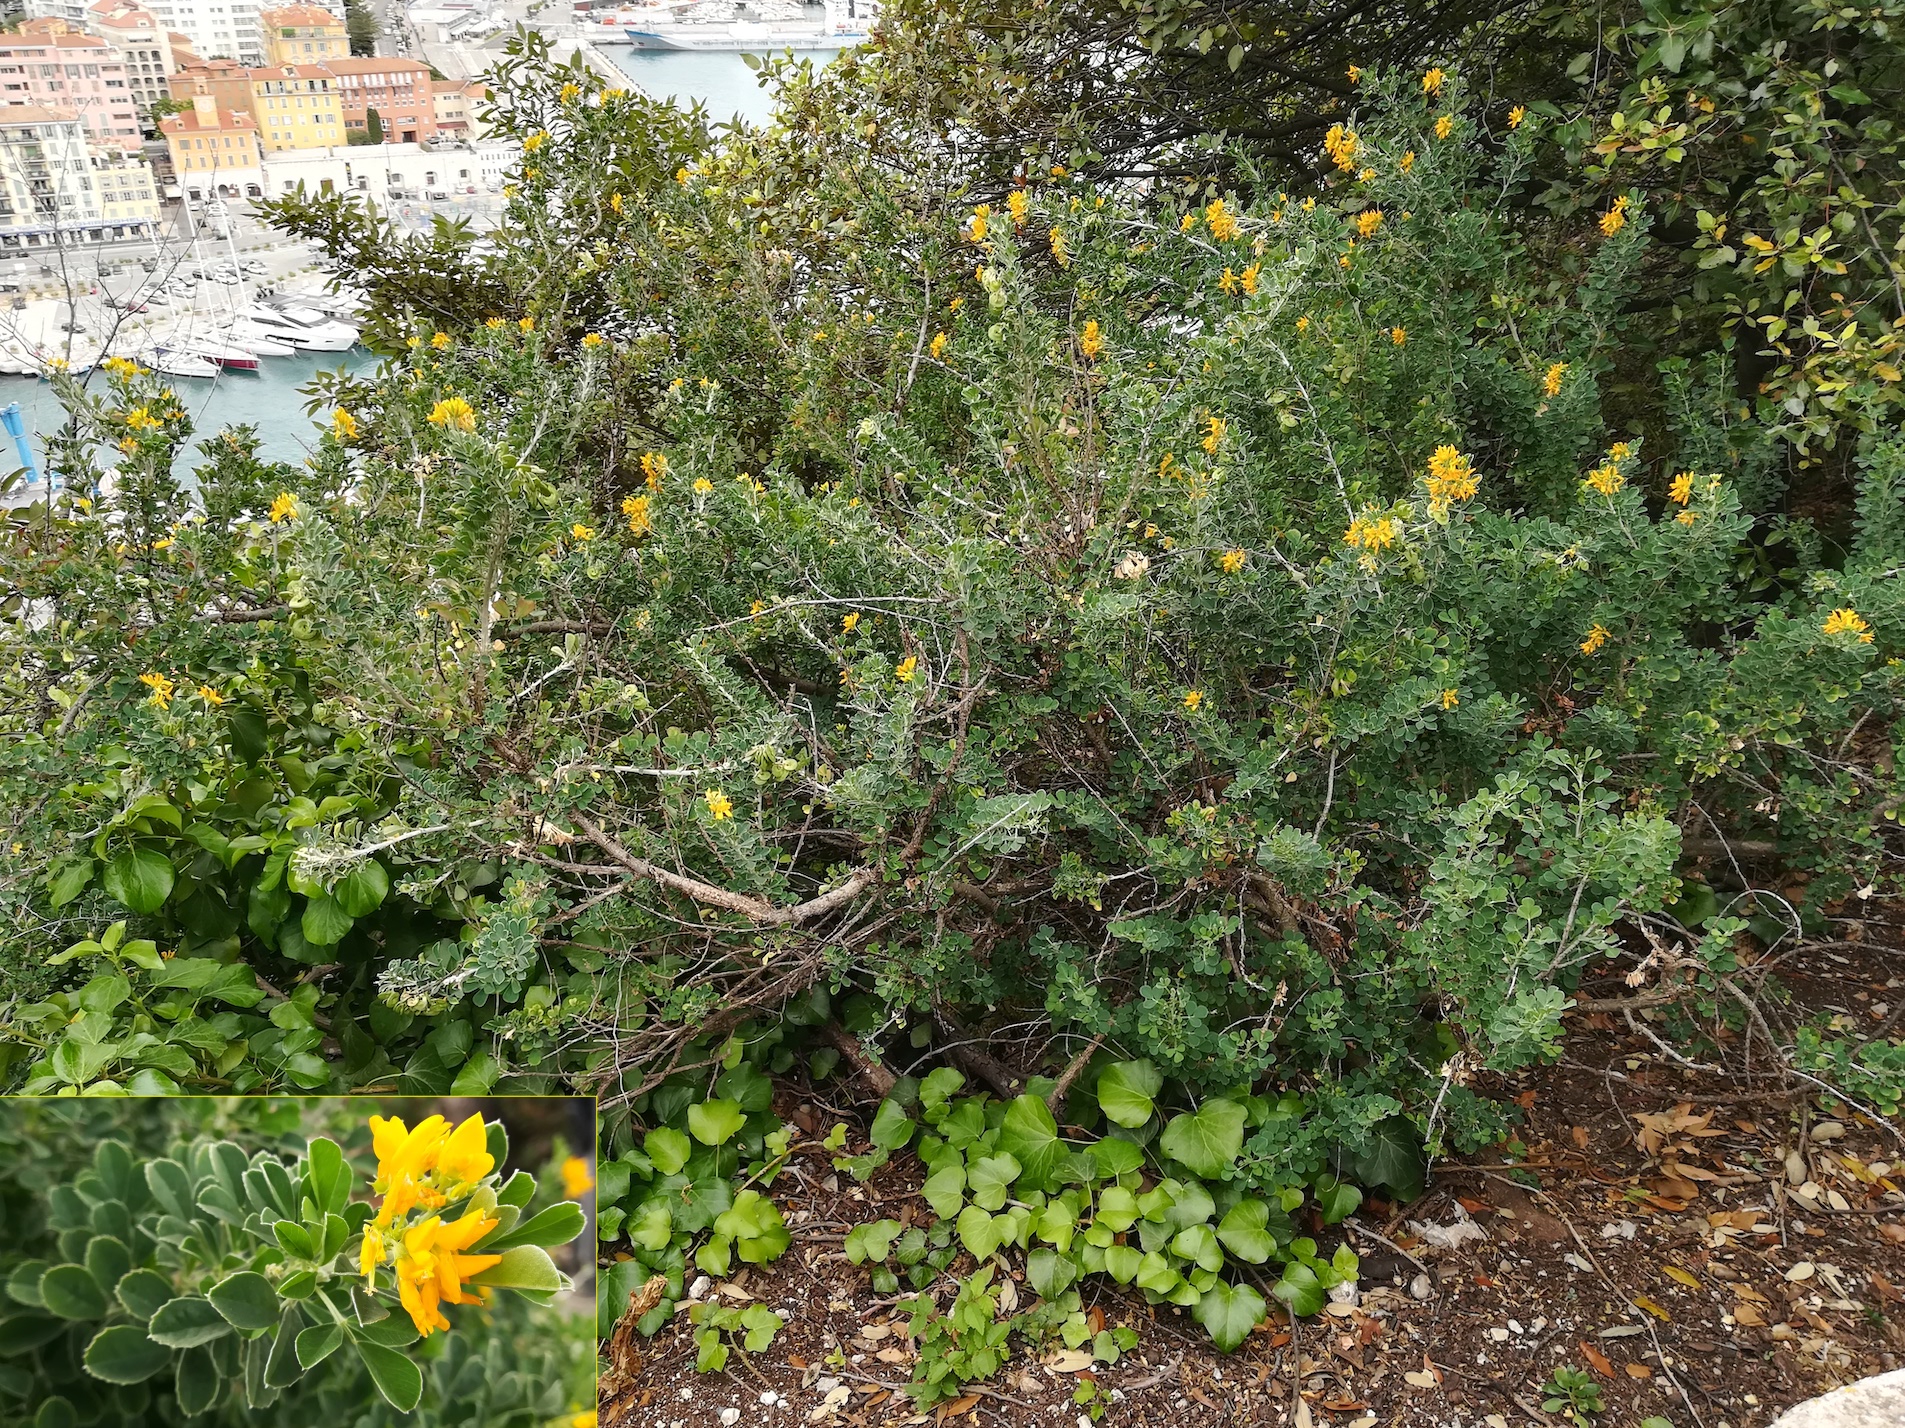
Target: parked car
(436, 194)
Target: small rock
(1796, 1173)
(1870, 1403)
(770, 1398)
(729, 1417)
(1827, 1130)
(1500, 1336)
(700, 1286)
(1420, 1287)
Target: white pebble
(770, 1398)
(729, 1417)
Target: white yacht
(302, 327)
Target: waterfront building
(57, 187)
(46, 65)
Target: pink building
(46, 66)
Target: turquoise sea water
(269, 400)
(719, 80)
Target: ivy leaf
(715, 1122)
(870, 1241)
(1245, 1231)
(668, 1148)
(1050, 1272)
(1127, 1091)
(1206, 1142)
(979, 1232)
(363, 889)
(945, 1190)
(892, 1127)
(1122, 1262)
(989, 1178)
(1301, 1290)
(324, 922)
(1392, 1158)
(1030, 1135)
(1228, 1313)
(139, 878)
(1335, 1200)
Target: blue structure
(15, 423)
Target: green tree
(360, 25)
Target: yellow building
(214, 149)
(302, 34)
(296, 106)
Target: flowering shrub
(1279, 638)
(210, 1282)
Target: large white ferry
(725, 25)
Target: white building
(56, 187)
(375, 169)
(217, 29)
(143, 43)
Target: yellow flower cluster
(160, 686)
(1061, 253)
(1606, 479)
(1450, 699)
(140, 419)
(1615, 218)
(1223, 223)
(1432, 81)
(454, 414)
(654, 469)
(1214, 429)
(1682, 489)
(428, 1169)
(1451, 478)
(1551, 382)
(1340, 145)
(1596, 637)
(906, 669)
(1232, 561)
(577, 1178)
(1444, 126)
(939, 345)
(583, 534)
(1516, 115)
(1018, 203)
(976, 226)
(1371, 536)
(1408, 160)
(285, 508)
(636, 509)
(344, 424)
(1091, 341)
(1846, 621)
(1193, 698)
(1398, 335)
(719, 804)
(594, 339)
(122, 367)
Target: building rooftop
(369, 64)
(12, 115)
(191, 121)
(284, 15)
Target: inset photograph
(349, 1261)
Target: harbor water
(719, 79)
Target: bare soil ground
(1711, 1256)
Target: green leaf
(70, 1291)
(124, 1354)
(1030, 1135)
(245, 1300)
(554, 1225)
(197, 1382)
(1301, 1290)
(1127, 1091)
(281, 1368)
(477, 1075)
(1245, 1231)
(892, 1127)
(524, 1267)
(317, 1344)
(187, 1322)
(294, 1239)
(990, 1178)
(715, 1122)
(668, 1148)
(945, 1190)
(108, 1260)
(144, 1292)
(1392, 1158)
(1228, 1313)
(56, 1412)
(1122, 1262)
(1049, 1272)
(139, 878)
(70, 882)
(870, 1241)
(363, 889)
(1336, 1201)
(1206, 1143)
(327, 1178)
(324, 922)
(1117, 1208)
(397, 1379)
(979, 1232)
